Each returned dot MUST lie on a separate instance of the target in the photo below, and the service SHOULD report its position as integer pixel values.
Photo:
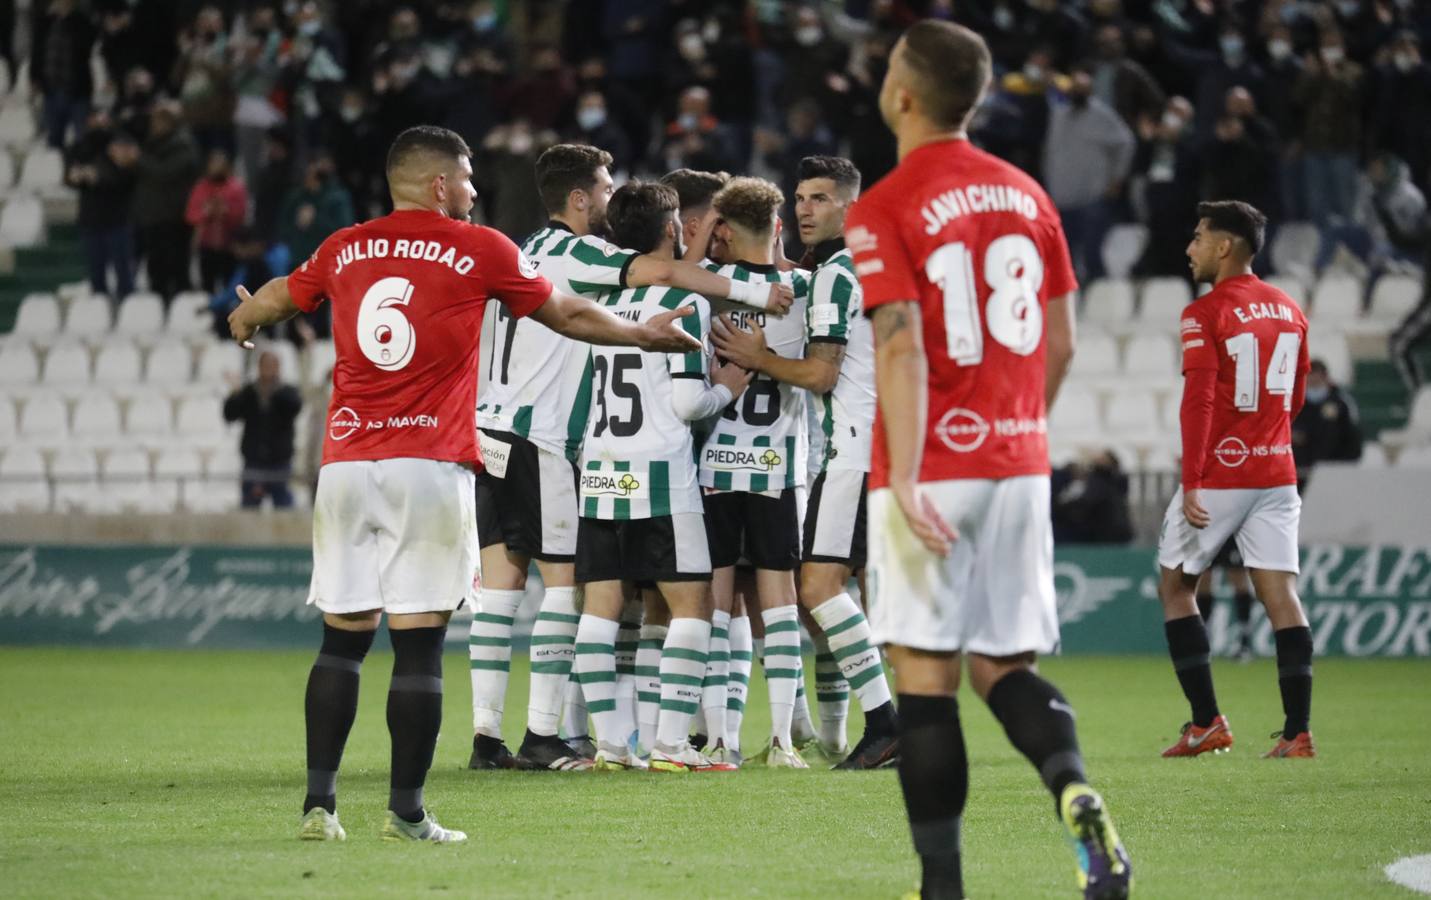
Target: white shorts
(1263, 520)
(398, 535)
(993, 595)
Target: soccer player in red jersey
(1245, 364)
(394, 528)
(966, 273)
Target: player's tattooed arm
(271, 305)
(817, 372)
(902, 383)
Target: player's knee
(924, 673)
(987, 671)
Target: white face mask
(1033, 72)
(1279, 49)
(591, 118)
(1172, 121)
(1333, 55)
(692, 48)
(1404, 62)
(808, 35)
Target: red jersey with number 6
(408, 292)
(1255, 338)
(978, 244)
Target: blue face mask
(485, 22)
(1318, 394)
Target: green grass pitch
(180, 774)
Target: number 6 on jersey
(385, 335)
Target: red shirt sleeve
(1057, 266)
(506, 272)
(1199, 391)
(882, 261)
(1199, 341)
(308, 284)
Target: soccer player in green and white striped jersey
(753, 461)
(526, 498)
(838, 370)
(642, 518)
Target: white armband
(748, 293)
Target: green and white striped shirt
(534, 376)
(638, 460)
(760, 443)
(846, 414)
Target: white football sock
(832, 695)
(738, 684)
(848, 632)
(627, 639)
(553, 649)
(489, 647)
(683, 668)
(715, 690)
(782, 668)
(596, 673)
(648, 682)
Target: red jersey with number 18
(408, 292)
(1255, 338)
(978, 244)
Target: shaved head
(431, 167)
(939, 71)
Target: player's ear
(577, 199)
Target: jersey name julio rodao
(408, 292)
(845, 415)
(638, 459)
(979, 246)
(759, 443)
(534, 374)
(1255, 338)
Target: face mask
(809, 35)
(1172, 121)
(711, 32)
(1033, 72)
(485, 22)
(688, 121)
(520, 143)
(1404, 62)
(1279, 49)
(351, 113)
(1333, 55)
(310, 28)
(692, 48)
(1231, 47)
(1003, 18)
(591, 118)
(1318, 394)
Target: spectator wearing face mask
(594, 126)
(1328, 428)
(218, 205)
(1284, 70)
(1120, 82)
(1170, 169)
(696, 139)
(1403, 113)
(1086, 160)
(1330, 93)
(1013, 123)
(1217, 71)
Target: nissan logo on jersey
(962, 430)
(1231, 452)
(343, 423)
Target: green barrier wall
(1362, 601)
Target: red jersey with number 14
(1255, 338)
(408, 292)
(978, 244)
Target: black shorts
(664, 548)
(765, 531)
(533, 509)
(832, 534)
(1229, 557)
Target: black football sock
(882, 720)
(1204, 605)
(1243, 601)
(1039, 723)
(934, 775)
(1294, 676)
(329, 706)
(414, 714)
(1188, 646)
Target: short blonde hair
(749, 203)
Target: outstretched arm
(271, 305)
(590, 322)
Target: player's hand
(1193, 510)
(781, 298)
(744, 348)
(239, 325)
(662, 334)
(937, 535)
(735, 378)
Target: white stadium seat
(1392, 299)
(322, 356)
(207, 496)
(173, 468)
(1337, 300)
(1154, 355)
(1418, 425)
(17, 125)
(1123, 247)
(1330, 346)
(189, 315)
(118, 365)
(1292, 287)
(1132, 416)
(200, 422)
(1294, 249)
(149, 417)
(1108, 304)
(1415, 457)
(76, 481)
(169, 363)
(9, 424)
(217, 360)
(141, 317)
(43, 169)
(126, 481)
(1373, 456)
(1075, 418)
(22, 221)
(44, 418)
(18, 365)
(1162, 302)
(38, 318)
(88, 316)
(225, 463)
(67, 365)
(96, 421)
(288, 365)
(1096, 356)
(23, 483)
(7, 171)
